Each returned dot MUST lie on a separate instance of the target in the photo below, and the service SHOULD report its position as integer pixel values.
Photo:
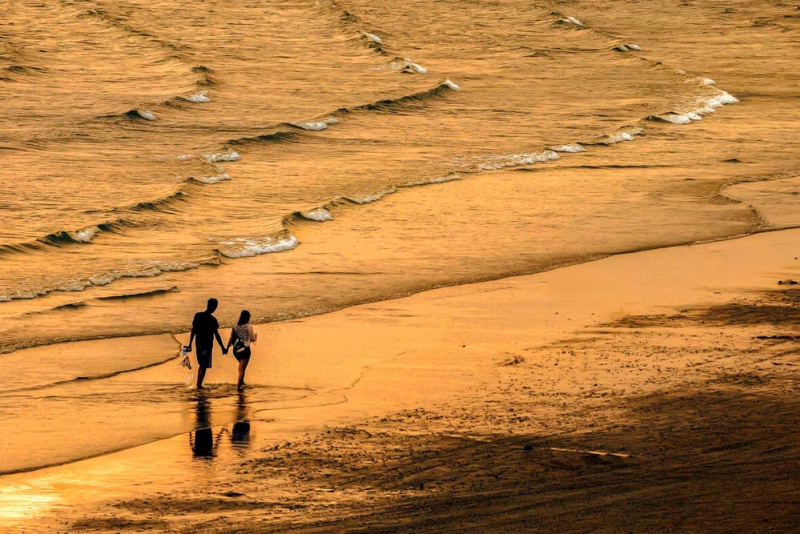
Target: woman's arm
(230, 339)
(253, 335)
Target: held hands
(224, 351)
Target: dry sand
(654, 391)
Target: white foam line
(230, 156)
(317, 214)
(199, 98)
(494, 163)
(85, 235)
(212, 179)
(704, 107)
(572, 149)
(317, 125)
(246, 248)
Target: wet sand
(648, 391)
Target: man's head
(212, 305)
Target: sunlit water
(295, 157)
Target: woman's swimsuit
(243, 333)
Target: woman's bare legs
(242, 368)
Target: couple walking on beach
(205, 328)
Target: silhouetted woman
(241, 336)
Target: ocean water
(301, 156)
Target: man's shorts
(204, 357)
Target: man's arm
(219, 340)
(191, 338)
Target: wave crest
(208, 180)
(317, 214)
(146, 270)
(395, 104)
(228, 156)
(249, 247)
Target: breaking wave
(619, 136)
(199, 98)
(87, 234)
(571, 149)
(407, 65)
(141, 114)
(316, 125)
(208, 180)
(289, 132)
(368, 198)
(317, 214)
(395, 104)
(249, 247)
(146, 270)
(703, 106)
(228, 156)
(493, 163)
(161, 205)
(280, 136)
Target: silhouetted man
(205, 327)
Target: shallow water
(296, 157)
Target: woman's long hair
(244, 318)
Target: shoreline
(361, 382)
(762, 214)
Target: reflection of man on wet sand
(202, 441)
(205, 327)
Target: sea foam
(230, 156)
(573, 148)
(199, 98)
(317, 125)
(703, 107)
(408, 65)
(245, 248)
(494, 163)
(85, 235)
(436, 180)
(211, 179)
(317, 214)
(145, 270)
(622, 135)
(370, 197)
(374, 38)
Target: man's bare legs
(201, 374)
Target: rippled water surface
(300, 156)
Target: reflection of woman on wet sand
(240, 435)
(242, 334)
